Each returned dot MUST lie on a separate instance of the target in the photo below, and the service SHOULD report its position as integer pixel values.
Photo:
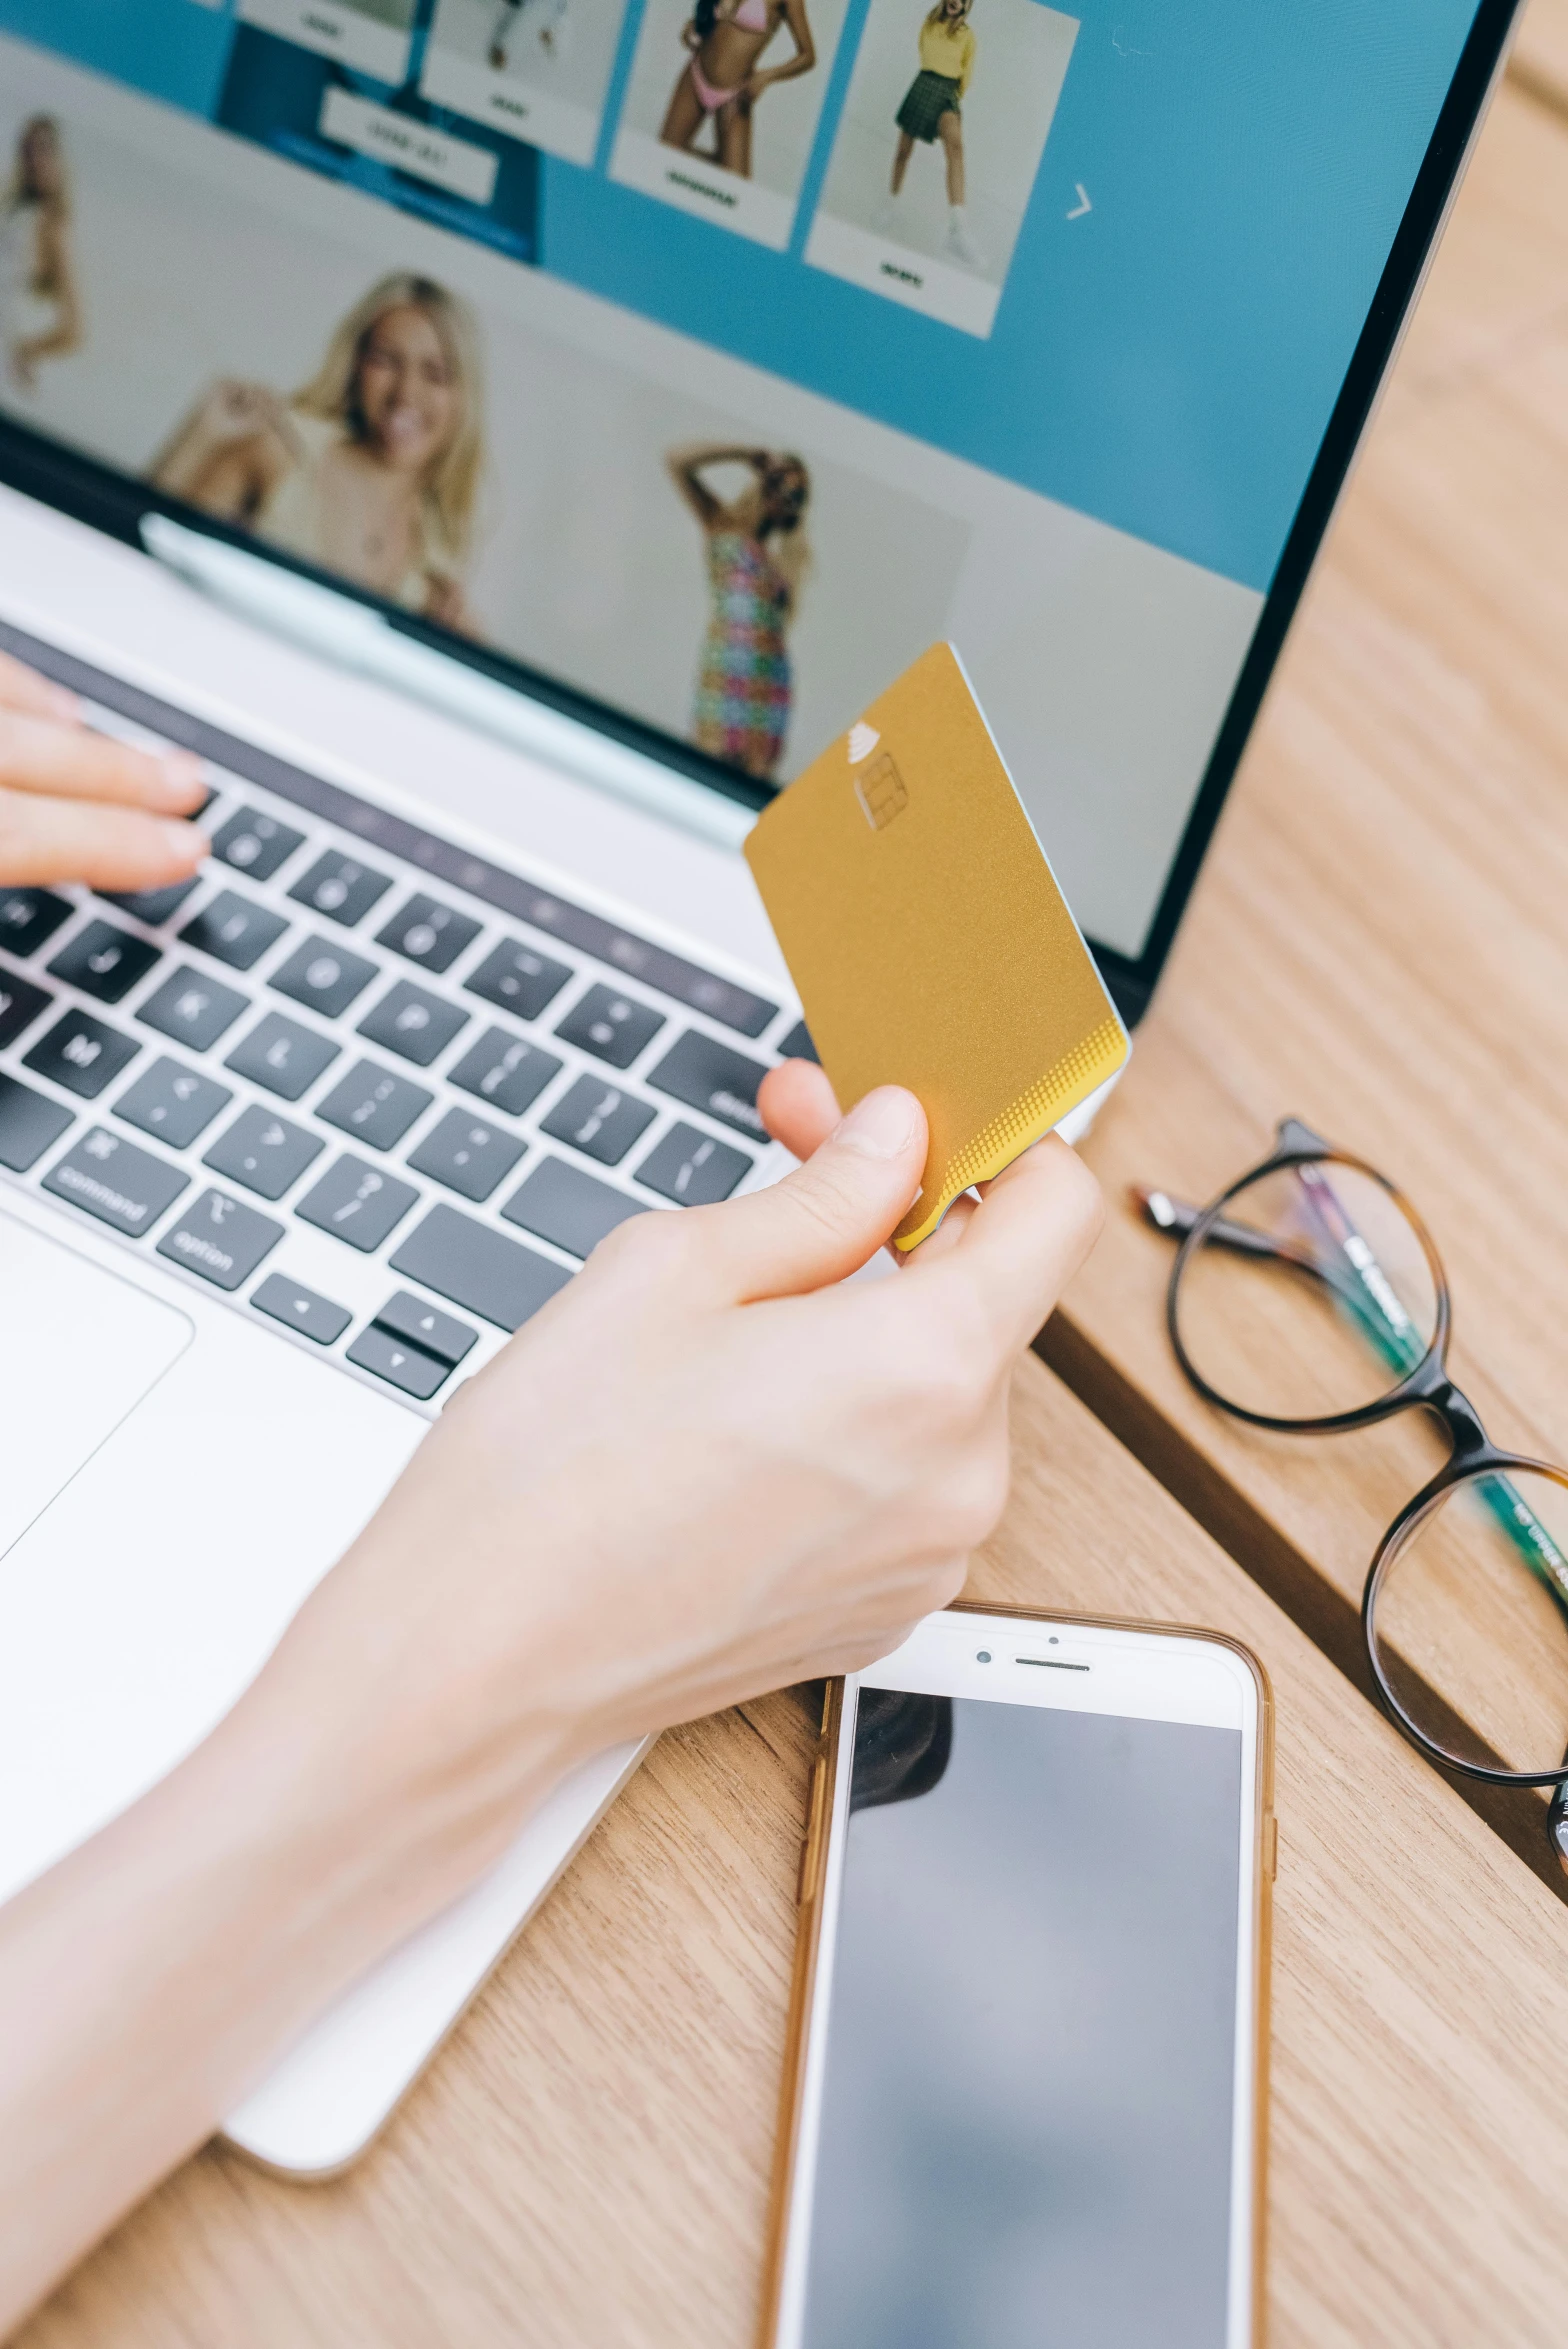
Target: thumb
(828, 1218)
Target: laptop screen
(714, 357)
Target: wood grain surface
(587, 2163)
(1379, 942)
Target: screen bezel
(1164, 1672)
(91, 492)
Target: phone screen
(1027, 2112)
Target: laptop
(507, 439)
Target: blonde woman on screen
(757, 557)
(372, 468)
(40, 315)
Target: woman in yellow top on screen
(931, 111)
(372, 468)
(722, 79)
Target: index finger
(1022, 1243)
(70, 762)
(22, 688)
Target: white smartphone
(1026, 2082)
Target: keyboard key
(82, 1054)
(602, 1122)
(342, 888)
(406, 1367)
(29, 1125)
(797, 1045)
(152, 906)
(20, 1004)
(504, 1071)
(263, 1152)
(693, 1169)
(518, 979)
(234, 930)
(357, 1203)
(104, 961)
(466, 1155)
(283, 1056)
(115, 1181)
(221, 1239)
(173, 1102)
(429, 933)
(409, 1021)
(613, 1027)
(477, 1268)
(324, 976)
(300, 1308)
(709, 1076)
(255, 843)
(568, 1207)
(736, 1007)
(374, 1105)
(192, 1008)
(29, 918)
(407, 1316)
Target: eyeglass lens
(1311, 1296)
(1470, 1625)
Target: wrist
(390, 1756)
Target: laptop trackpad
(81, 1349)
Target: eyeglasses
(1309, 1298)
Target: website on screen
(716, 356)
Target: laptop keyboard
(389, 1117)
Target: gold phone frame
(813, 1876)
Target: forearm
(180, 465)
(802, 62)
(150, 1979)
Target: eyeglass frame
(1428, 1385)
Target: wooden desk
(1380, 943)
(587, 2163)
(1380, 938)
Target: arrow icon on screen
(1083, 204)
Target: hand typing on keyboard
(702, 1469)
(77, 806)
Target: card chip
(881, 792)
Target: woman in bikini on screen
(757, 555)
(40, 315)
(371, 470)
(721, 81)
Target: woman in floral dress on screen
(757, 555)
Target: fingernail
(182, 768)
(882, 1125)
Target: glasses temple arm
(1499, 1494)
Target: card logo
(863, 740)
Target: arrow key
(441, 1334)
(300, 1308)
(407, 1367)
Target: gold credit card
(926, 936)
